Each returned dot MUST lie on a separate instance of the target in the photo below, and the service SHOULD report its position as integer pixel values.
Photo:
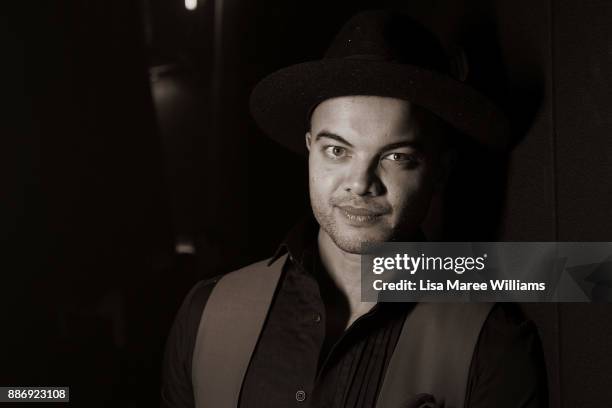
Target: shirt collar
(301, 245)
(301, 242)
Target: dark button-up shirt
(305, 358)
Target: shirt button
(317, 317)
(300, 396)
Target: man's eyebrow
(407, 143)
(330, 135)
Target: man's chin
(358, 245)
(354, 239)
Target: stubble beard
(348, 242)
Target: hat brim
(281, 102)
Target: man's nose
(362, 179)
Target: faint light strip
(185, 248)
(191, 4)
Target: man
(380, 114)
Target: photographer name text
(427, 285)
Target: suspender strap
(229, 328)
(434, 353)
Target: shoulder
(508, 362)
(177, 366)
(195, 301)
(190, 313)
(176, 388)
(184, 328)
(505, 325)
(506, 330)
(198, 296)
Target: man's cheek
(324, 180)
(319, 190)
(403, 192)
(319, 170)
(328, 170)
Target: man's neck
(344, 268)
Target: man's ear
(308, 140)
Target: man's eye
(403, 158)
(335, 152)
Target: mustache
(360, 202)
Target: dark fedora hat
(381, 53)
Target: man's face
(373, 168)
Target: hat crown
(389, 36)
(381, 53)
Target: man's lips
(360, 211)
(359, 216)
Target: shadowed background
(133, 169)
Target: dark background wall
(126, 131)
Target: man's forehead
(358, 105)
(376, 117)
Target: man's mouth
(359, 215)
